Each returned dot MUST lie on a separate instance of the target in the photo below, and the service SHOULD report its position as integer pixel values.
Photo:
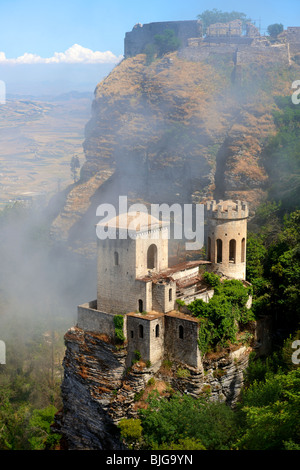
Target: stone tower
(139, 248)
(227, 237)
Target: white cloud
(76, 54)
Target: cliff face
(98, 390)
(172, 131)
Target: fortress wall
(293, 38)
(246, 55)
(182, 349)
(90, 319)
(239, 53)
(141, 35)
(162, 300)
(151, 343)
(204, 51)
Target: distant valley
(38, 137)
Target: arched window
(243, 246)
(140, 306)
(180, 331)
(209, 249)
(232, 251)
(116, 258)
(170, 295)
(152, 257)
(219, 251)
(157, 331)
(141, 331)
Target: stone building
(135, 281)
(227, 39)
(226, 237)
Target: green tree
(166, 42)
(271, 410)
(167, 422)
(131, 431)
(209, 17)
(275, 29)
(40, 435)
(224, 314)
(74, 166)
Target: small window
(232, 251)
(131, 334)
(243, 244)
(209, 249)
(152, 257)
(219, 251)
(141, 331)
(170, 295)
(180, 331)
(140, 305)
(116, 258)
(157, 331)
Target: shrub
(166, 42)
(119, 334)
(131, 431)
(183, 373)
(222, 316)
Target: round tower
(227, 237)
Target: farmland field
(37, 141)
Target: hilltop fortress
(135, 280)
(220, 38)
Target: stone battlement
(143, 34)
(227, 210)
(220, 38)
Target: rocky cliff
(174, 130)
(98, 390)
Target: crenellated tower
(227, 237)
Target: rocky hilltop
(180, 128)
(175, 130)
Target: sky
(76, 43)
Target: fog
(41, 283)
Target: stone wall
(141, 35)
(233, 28)
(278, 53)
(91, 319)
(238, 54)
(181, 339)
(145, 334)
(163, 296)
(293, 38)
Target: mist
(41, 283)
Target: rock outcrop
(98, 389)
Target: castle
(227, 39)
(136, 282)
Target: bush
(166, 422)
(119, 334)
(131, 431)
(166, 42)
(223, 315)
